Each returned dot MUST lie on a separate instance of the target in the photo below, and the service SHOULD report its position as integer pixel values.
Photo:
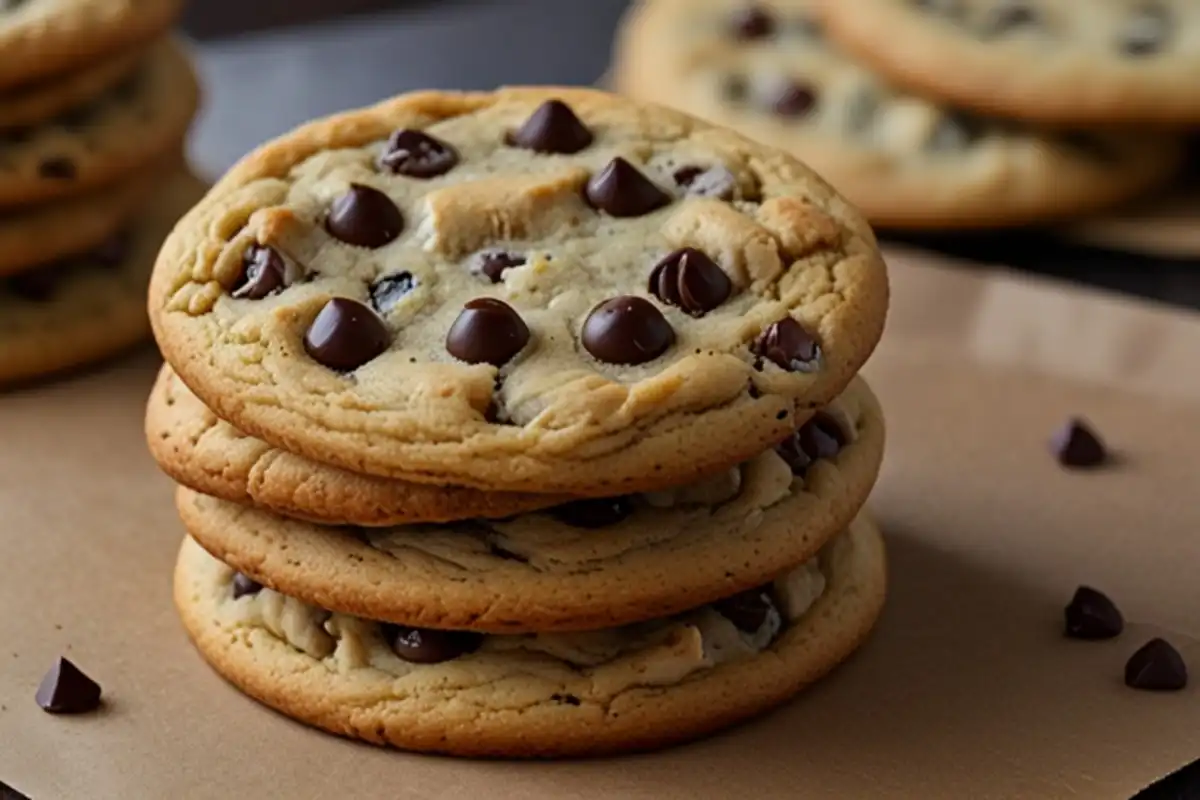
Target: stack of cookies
(95, 101)
(521, 423)
(936, 113)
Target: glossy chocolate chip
(690, 280)
(552, 128)
(416, 154)
(1006, 17)
(748, 611)
(38, 285)
(821, 437)
(1156, 667)
(1076, 445)
(493, 263)
(425, 646)
(794, 100)
(627, 330)
(716, 182)
(65, 689)
(364, 217)
(488, 331)
(789, 346)
(391, 289)
(244, 585)
(752, 22)
(58, 168)
(345, 335)
(1092, 615)
(1146, 31)
(264, 272)
(593, 513)
(622, 191)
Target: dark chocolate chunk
(36, 285)
(7, 792)
(690, 280)
(57, 168)
(752, 22)
(1156, 667)
(716, 182)
(416, 154)
(552, 128)
(821, 437)
(622, 191)
(365, 217)
(1077, 445)
(627, 330)
(794, 100)
(748, 611)
(493, 263)
(391, 289)
(488, 331)
(788, 345)
(66, 690)
(1006, 17)
(345, 335)
(599, 512)
(1146, 31)
(264, 272)
(1092, 615)
(426, 646)
(245, 585)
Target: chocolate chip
(488, 331)
(425, 646)
(1146, 31)
(7, 792)
(416, 154)
(37, 285)
(345, 335)
(113, 251)
(620, 190)
(552, 128)
(716, 182)
(788, 345)
(391, 289)
(821, 437)
(600, 512)
(794, 100)
(752, 22)
(1156, 667)
(244, 585)
(627, 330)
(264, 272)
(364, 217)
(748, 611)
(57, 168)
(1006, 17)
(1076, 445)
(493, 263)
(66, 690)
(690, 280)
(1092, 615)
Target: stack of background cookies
(95, 100)
(937, 114)
(493, 419)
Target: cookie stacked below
(95, 102)
(521, 423)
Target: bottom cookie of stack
(635, 687)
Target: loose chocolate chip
(716, 182)
(113, 251)
(425, 646)
(1007, 17)
(627, 330)
(244, 585)
(7, 792)
(748, 611)
(493, 263)
(57, 168)
(1092, 615)
(1146, 31)
(1156, 667)
(391, 289)
(552, 128)
(488, 331)
(66, 690)
(690, 280)
(263, 273)
(821, 437)
(37, 285)
(345, 335)
(417, 155)
(620, 190)
(787, 344)
(593, 513)
(1077, 445)
(752, 22)
(794, 100)
(364, 217)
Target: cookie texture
(528, 696)
(201, 451)
(45, 38)
(38, 102)
(583, 565)
(456, 288)
(1051, 61)
(132, 125)
(770, 71)
(76, 312)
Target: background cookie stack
(493, 419)
(937, 114)
(95, 101)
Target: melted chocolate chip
(345, 335)
(264, 272)
(488, 331)
(1156, 667)
(57, 168)
(794, 100)
(364, 217)
(425, 646)
(1146, 31)
(552, 128)
(244, 585)
(788, 345)
(416, 154)
(67, 690)
(716, 182)
(821, 437)
(1092, 615)
(37, 286)
(627, 330)
(1007, 17)
(622, 191)
(690, 280)
(752, 22)
(600, 512)
(1076, 445)
(748, 611)
(391, 289)
(493, 263)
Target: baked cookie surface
(37, 102)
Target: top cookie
(1054, 61)
(537, 289)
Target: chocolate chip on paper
(1092, 615)
(1156, 667)
(67, 690)
(1077, 445)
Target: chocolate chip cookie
(38, 102)
(537, 289)
(1052, 61)
(770, 71)
(629, 688)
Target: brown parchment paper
(967, 689)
